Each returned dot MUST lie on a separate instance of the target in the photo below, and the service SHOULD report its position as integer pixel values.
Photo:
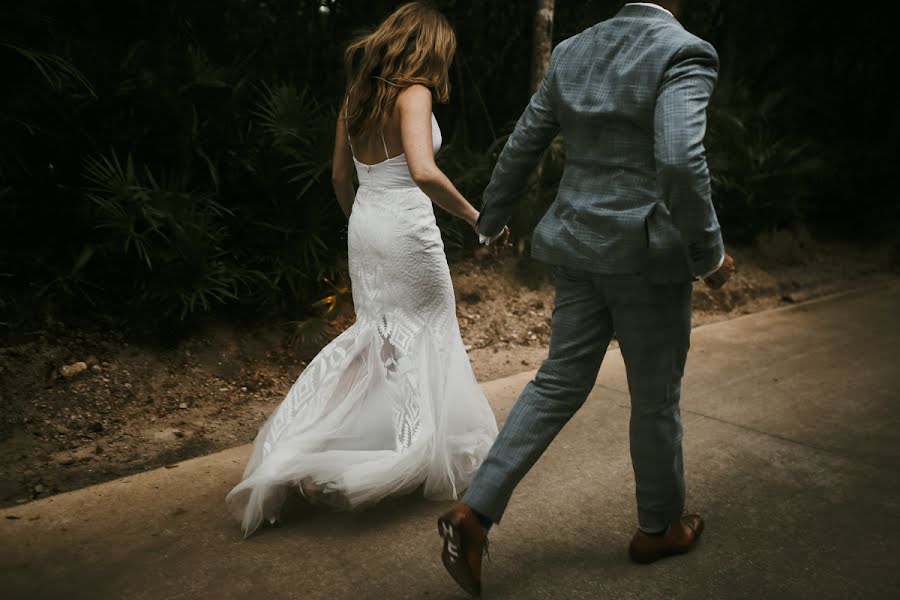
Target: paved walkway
(792, 449)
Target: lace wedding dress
(392, 403)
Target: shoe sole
(652, 558)
(452, 554)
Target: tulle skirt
(391, 404)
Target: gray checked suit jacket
(629, 96)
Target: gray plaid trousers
(652, 323)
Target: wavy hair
(414, 45)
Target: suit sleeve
(682, 172)
(534, 132)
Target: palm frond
(55, 70)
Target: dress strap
(384, 143)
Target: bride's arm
(414, 105)
(342, 168)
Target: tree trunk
(542, 46)
(542, 41)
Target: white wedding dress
(392, 403)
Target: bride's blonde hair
(414, 45)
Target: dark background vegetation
(164, 160)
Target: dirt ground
(131, 407)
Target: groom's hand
(501, 242)
(721, 277)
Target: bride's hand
(502, 242)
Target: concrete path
(792, 450)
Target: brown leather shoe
(681, 538)
(464, 544)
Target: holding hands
(501, 242)
(497, 242)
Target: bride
(391, 404)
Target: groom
(631, 227)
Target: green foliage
(169, 159)
(163, 189)
(310, 333)
(301, 129)
(761, 179)
(173, 243)
(313, 332)
(6, 299)
(56, 71)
